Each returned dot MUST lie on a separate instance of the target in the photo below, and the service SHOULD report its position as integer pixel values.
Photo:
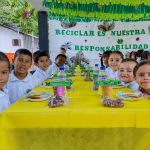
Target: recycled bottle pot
(106, 91)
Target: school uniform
(53, 69)
(41, 75)
(4, 99)
(18, 88)
(112, 74)
(132, 85)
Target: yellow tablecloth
(84, 124)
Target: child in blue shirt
(4, 75)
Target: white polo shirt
(132, 85)
(112, 74)
(41, 75)
(4, 99)
(53, 69)
(18, 88)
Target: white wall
(6, 36)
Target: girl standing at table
(142, 76)
(4, 75)
(114, 61)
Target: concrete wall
(7, 35)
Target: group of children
(20, 81)
(132, 74)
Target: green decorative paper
(87, 10)
(58, 83)
(108, 82)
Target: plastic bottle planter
(83, 69)
(89, 75)
(54, 83)
(108, 82)
(81, 66)
(95, 78)
(69, 73)
(71, 70)
(105, 89)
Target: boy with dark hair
(59, 61)
(41, 60)
(21, 81)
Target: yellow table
(84, 124)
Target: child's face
(143, 77)
(105, 60)
(43, 63)
(4, 73)
(60, 61)
(22, 64)
(126, 72)
(114, 61)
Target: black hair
(142, 63)
(131, 53)
(23, 51)
(129, 60)
(116, 52)
(38, 54)
(61, 55)
(105, 54)
(145, 55)
(3, 57)
(139, 53)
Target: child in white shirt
(104, 59)
(142, 77)
(126, 73)
(4, 75)
(42, 61)
(59, 61)
(114, 61)
(20, 81)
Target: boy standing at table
(21, 81)
(126, 73)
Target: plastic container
(95, 77)
(102, 73)
(62, 74)
(96, 70)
